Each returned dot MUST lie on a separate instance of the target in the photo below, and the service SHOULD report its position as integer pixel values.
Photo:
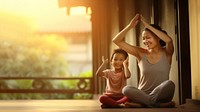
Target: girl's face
(117, 61)
(149, 39)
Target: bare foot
(133, 105)
(170, 104)
(121, 105)
(117, 106)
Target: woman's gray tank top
(151, 75)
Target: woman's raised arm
(119, 38)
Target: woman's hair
(162, 43)
(121, 51)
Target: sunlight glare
(31, 7)
(47, 16)
(78, 10)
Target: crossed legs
(108, 101)
(161, 94)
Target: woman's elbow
(169, 40)
(114, 41)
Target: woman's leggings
(162, 93)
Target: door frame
(183, 41)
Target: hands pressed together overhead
(136, 20)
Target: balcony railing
(83, 85)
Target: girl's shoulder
(108, 71)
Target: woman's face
(149, 39)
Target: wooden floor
(75, 106)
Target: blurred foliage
(26, 53)
(38, 56)
(86, 74)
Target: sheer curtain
(100, 39)
(194, 21)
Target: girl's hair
(121, 51)
(162, 43)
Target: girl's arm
(126, 69)
(102, 67)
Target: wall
(168, 23)
(194, 15)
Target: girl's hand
(134, 21)
(104, 60)
(146, 25)
(126, 62)
(127, 72)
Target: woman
(154, 89)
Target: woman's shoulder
(168, 56)
(142, 52)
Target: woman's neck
(155, 50)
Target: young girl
(115, 79)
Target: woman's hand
(146, 25)
(134, 21)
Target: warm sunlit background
(46, 14)
(42, 29)
(40, 39)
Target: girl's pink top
(114, 81)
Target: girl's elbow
(128, 76)
(99, 74)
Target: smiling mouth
(117, 66)
(147, 44)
